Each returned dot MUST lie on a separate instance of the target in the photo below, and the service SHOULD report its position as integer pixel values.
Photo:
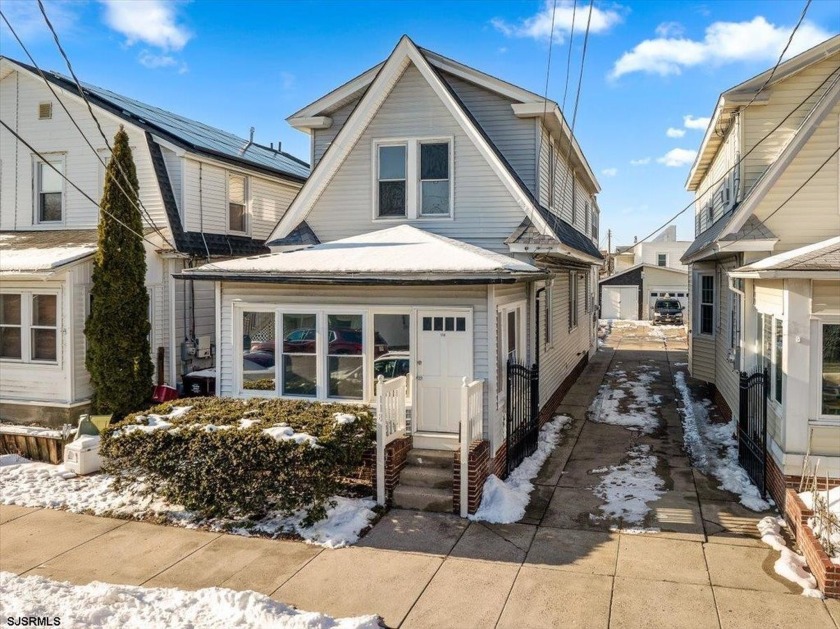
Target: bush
(212, 462)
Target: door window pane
(299, 359)
(831, 369)
(512, 335)
(345, 360)
(258, 352)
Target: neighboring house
(457, 226)
(642, 273)
(764, 267)
(208, 195)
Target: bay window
(29, 327)
(413, 178)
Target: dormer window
(413, 179)
(237, 203)
(49, 187)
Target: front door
(444, 358)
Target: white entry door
(444, 358)
(620, 302)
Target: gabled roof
(819, 257)
(643, 265)
(741, 95)
(402, 254)
(562, 234)
(527, 104)
(39, 251)
(711, 242)
(375, 92)
(188, 134)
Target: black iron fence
(523, 426)
(752, 427)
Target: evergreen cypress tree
(117, 329)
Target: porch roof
(39, 251)
(821, 259)
(402, 254)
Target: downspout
(537, 302)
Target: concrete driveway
(565, 564)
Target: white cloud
(640, 162)
(673, 132)
(670, 29)
(152, 22)
(676, 158)
(723, 42)
(609, 172)
(538, 26)
(151, 60)
(700, 123)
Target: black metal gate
(752, 427)
(523, 427)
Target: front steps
(426, 481)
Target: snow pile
(12, 459)
(636, 413)
(505, 501)
(30, 431)
(789, 565)
(127, 606)
(44, 485)
(627, 488)
(828, 532)
(713, 448)
(344, 418)
(153, 422)
(284, 432)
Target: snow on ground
(827, 532)
(505, 501)
(789, 565)
(713, 448)
(44, 485)
(32, 431)
(637, 412)
(627, 488)
(12, 459)
(127, 607)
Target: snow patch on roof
(402, 249)
(24, 260)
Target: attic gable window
(413, 178)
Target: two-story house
(448, 227)
(205, 194)
(765, 264)
(643, 272)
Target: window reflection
(258, 371)
(299, 360)
(392, 354)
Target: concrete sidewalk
(557, 567)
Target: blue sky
(240, 64)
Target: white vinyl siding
(484, 211)
(323, 138)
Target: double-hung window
(237, 203)
(29, 327)
(661, 259)
(706, 311)
(49, 190)
(434, 178)
(413, 179)
(392, 169)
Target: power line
(82, 133)
(95, 119)
(73, 184)
(726, 173)
(569, 58)
(547, 75)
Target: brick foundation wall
(778, 483)
(478, 469)
(498, 464)
(396, 455)
(826, 573)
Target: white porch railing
(390, 423)
(472, 419)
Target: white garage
(619, 302)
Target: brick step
(435, 477)
(430, 458)
(423, 498)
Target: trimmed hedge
(211, 463)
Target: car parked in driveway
(668, 311)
